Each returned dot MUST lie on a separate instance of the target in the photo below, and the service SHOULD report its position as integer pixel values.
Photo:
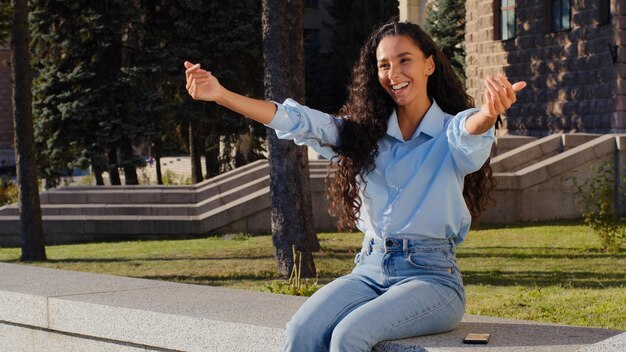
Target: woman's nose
(392, 73)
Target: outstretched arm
(202, 85)
(500, 95)
(303, 125)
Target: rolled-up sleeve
(469, 151)
(306, 126)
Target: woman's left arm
(499, 96)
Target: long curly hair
(367, 111)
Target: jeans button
(389, 243)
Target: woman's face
(403, 70)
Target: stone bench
(56, 310)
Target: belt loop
(452, 245)
(405, 246)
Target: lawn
(545, 272)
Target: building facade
(413, 11)
(572, 53)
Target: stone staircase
(534, 181)
(236, 201)
(532, 175)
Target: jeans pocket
(430, 261)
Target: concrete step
(155, 194)
(182, 208)
(535, 151)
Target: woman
(412, 174)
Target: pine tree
(353, 21)
(109, 79)
(225, 37)
(446, 24)
(5, 20)
(80, 101)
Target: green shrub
(86, 180)
(144, 178)
(597, 197)
(9, 192)
(305, 288)
(295, 285)
(171, 178)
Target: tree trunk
(97, 173)
(97, 161)
(33, 248)
(157, 161)
(212, 154)
(298, 84)
(114, 174)
(107, 76)
(194, 154)
(99, 179)
(286, 197)
(130, 170)
(159, 174)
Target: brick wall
(572, 79)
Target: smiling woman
(403, 72)
(412, 174)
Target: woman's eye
(383, 66)
(405, 60)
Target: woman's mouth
(399, 86)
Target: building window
(604, 12)
(504, 26)
(560, 15)
(311, 4)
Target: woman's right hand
(201, 84)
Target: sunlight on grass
(546, 272)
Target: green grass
(544, 272)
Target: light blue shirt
(416, 188)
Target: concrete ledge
(55, 310)
(155, 315)
(507, 143)
(615, 343)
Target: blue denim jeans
(398, 289)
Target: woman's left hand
(500, 94)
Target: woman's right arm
(202, 85)
(303, 125)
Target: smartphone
(474, 338)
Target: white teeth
(400, 85)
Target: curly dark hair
(367, 111)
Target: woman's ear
(430, 65)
